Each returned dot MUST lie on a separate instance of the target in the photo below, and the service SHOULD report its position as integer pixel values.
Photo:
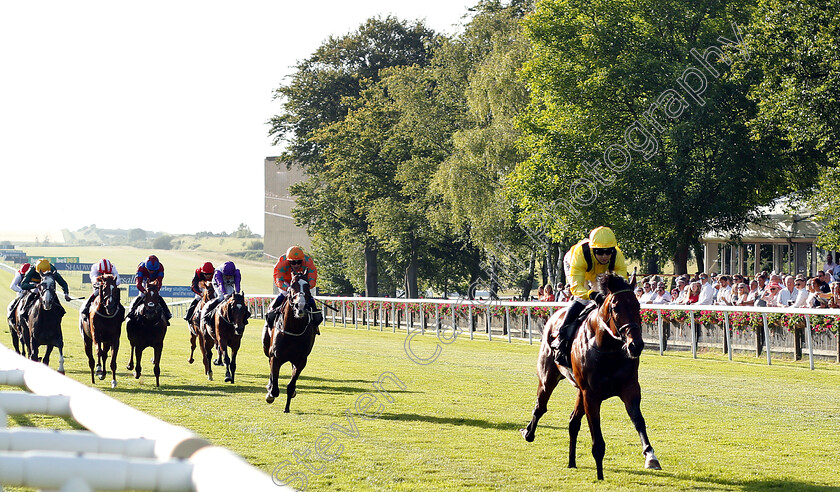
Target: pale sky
(152, 114)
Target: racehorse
(43, 321)
(147, 329)
(227, 322)
(102, 328)
(605, 363)
(292, 338)
(20, 336)
(196, 332)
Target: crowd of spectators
(765, 289)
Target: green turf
(715, 424)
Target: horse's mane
(611, 282)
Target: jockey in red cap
(202, 276)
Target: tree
(796, 48)
(163, 242)
(135, 235)
(636, 123)
(324, 90)
(243, 231)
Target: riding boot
(266, 339)
(86, 310)
(562, 345)
(191, 309)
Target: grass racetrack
(715, 424)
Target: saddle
(565, 333)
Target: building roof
(784, 220)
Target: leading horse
(292, 339)
(41, 317)
(147, 329)
(605, 363)
(102, 328)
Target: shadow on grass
(483, 424)
(185, 389)
(759, 485)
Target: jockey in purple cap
(226, 281)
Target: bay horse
(102, 328)
(42, 320)
(292, 339)
(206, 341)
(147, 329)
(227, 324)
(605, 363)
(20, 336)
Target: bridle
(624, 329)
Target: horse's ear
(633, 280)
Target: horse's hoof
(136, 375)
(269, 399)
(653, 464)
(191, 361)
(129, 367)
(61, 372)
(102, 376)
(228, 379)
(528, 437)
(114, 383)
(210, 377)
(285, 410)
(218, 363)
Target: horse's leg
(139, 356)
(220, 360)
(233, 351)
(228, 373)
(130, 365)
(192, 347)
(592, 407)
(549, 376)
(291, 390)
(574, 428)
(115, 347)
(47, 353)
(60, 348)
(158, 350)
(273, 387)
(89, 353)
(207, 350)
(632, 399)
(14, 334)
(101, 359)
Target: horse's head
(46, 291)
(150, 306)
(299, 293)
(109, 294)
(621, 312)
(236, 312)
(209, 291)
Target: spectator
(753, 294)
(548, 294)
(541, 293)
(771, 296)
(692, 295)
(647, 293)
(707, 292)
(834, 301)
(662, 296)
(801, 291)
(829, 266)
(640, 291)
(741, 295)
(724, 294)
(816, 298)
(682, 285)
(786, 294)
(675, 293)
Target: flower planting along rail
(782, 331)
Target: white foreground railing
(125, 448)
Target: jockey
(203, 274)
(582, 271)
(98, 269)
(15, 286)
(225, 282)
(293, 262)
(33, 277)
(149, 275)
